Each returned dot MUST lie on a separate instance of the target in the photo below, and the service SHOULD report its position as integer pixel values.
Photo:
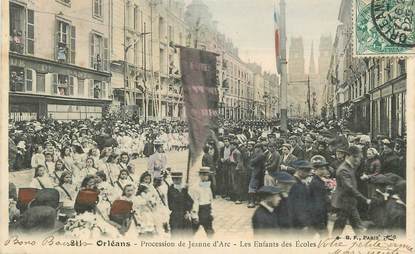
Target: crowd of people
(89, 137)
(88, 180)
(317, 168)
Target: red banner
(201, 96)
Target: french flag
(277, 39)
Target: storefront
(42, 88)
(388, 108)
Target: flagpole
(284, 78)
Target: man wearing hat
(202, 203)
(180, 204)
(346, 195)
(236, 169)
(390, 160)
(256, 167)
(341, 152)
(223, 177)
(284, 181)
(273, 158)
(265, 219)
(319, 195)
(299, 196)
(157, 162)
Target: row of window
(97, 7)
(22, 80)
(378, 73)
(232, 69)
(22, 39)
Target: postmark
(384, 27)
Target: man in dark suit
(284, 181)
(346, 196)
(273, 159)
(257, 167)
(299, 196)
(180, 204)
(223, 175)
(236, 168)
(390, 160)
(319, 196)
(265, 218)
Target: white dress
(90, 226)
(42, 182)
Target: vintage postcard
(204, 126)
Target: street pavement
(230, 220)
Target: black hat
(176, 174)
(283, 177)
(319, 161)
(269, 190)
(302, 165)
(205, 170)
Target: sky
(250, 25)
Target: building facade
(59, 59)
(369, 93)
(146, 36)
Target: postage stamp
(384, 27)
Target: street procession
(168, 130)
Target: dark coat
(284, 215)
(264, 221)
(208, 161)
(298, 152)
(272, 162)
(346, 194)
(299, 200)
(257, 164)
(148, 149)
(395, 215)
(179, 203)
(372, 166)
(390, 164)
(288, 162)
(319, 201)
